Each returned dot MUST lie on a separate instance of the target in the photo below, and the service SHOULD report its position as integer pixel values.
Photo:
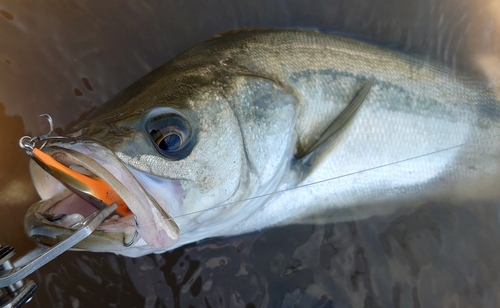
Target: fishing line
(333, 178)
(29, 142)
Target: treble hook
(28, 143)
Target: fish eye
(171, 135)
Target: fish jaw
(148, 227)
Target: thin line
(338, 177)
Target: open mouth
(73, 185)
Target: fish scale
(253, 112)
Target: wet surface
(435, 255)
(16, 190)
(66, 58)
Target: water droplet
(87, 84)
(6, 15)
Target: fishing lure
(88, 186)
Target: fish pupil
(171, 134)
(171, 142)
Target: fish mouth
(140, 222)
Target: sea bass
(256, 128)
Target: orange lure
(91, 187)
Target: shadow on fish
(257, 128)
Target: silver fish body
(224, 140)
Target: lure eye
(171, 135)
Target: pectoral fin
(306, 160)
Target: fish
(258, 128)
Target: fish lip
(82, 154)
(47, 233)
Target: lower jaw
(47, 232)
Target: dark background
(64, 58)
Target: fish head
(182, 149)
